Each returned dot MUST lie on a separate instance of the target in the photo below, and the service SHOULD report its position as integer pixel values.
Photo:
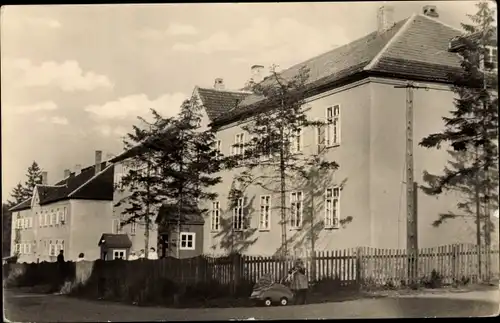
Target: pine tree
(18, 194)
(187, 161)
(472, 128)
(34, 175)
(142, 178)
(273, 153)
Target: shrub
(434, 281)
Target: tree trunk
(146, 233)
(478, 218)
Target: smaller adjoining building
(114, 246)
(190, 237)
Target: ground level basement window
(187, 240)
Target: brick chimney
(385, 18)
(67, 172)
(430, 11)
(45, 176)
(219, 84)
(98, 161)
(78, 169)
(256, 73)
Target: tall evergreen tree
(142, 178)
(273, 153)
(18, 195)
(34, 175)
(187, 161)
(472, 127)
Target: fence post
(359, 262)
(236, 266)
(454, 269)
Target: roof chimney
(385, 18)
(430, 11)
(219, 84)
(45, 176)
(67, 172)
(256, 73)
(78, 169)
(98, 161)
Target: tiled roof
(85, 185)
(414, 48)
(22, 206)
(115, 241)
(217, 102)
(186, 218)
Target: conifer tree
(273, 152)
(472, 128)
(34, 175)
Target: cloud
(55, 120)
(67, 75)
(174, 29)
(18, 20)
(107, 130)
(42, 106)
(137, 105)
(180, 29)
(263, 41)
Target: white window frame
(217, 148)
(215, 218)
(238, 149)
(30, 222)
(46, 219)
(265, 213)
(60, 246)
(64, 216)
(116, 254)
(333, 126)
(52, 249)
(296, 210)
(332, 207)
(490, 60)
(116, 226)
(184, 237)
(238, 215)
(296, 141)
(265, 154)
(52, 218)
(133, 228)
(40, 218)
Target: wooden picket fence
(382, 266)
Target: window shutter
(320, 138)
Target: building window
(187, 240)
(133, 228)
(296, 200)
(30, 222)
(238, 215)
(46, 219)
(116, 226)
(64, 216)
(332, 207)
(119, 254)
(52, 248)
(332, 134)
(215, 216)
(239, 145)
(60, 245)
(491, 58)
(40, 219)
(296, 141)
(265, 212)
(217, 148)
(52, 217)
(265, 144)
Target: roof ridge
(391, 41)
(225, 90)
(21, 203)
(88, 181)
(440, 21)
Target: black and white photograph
(249, 161)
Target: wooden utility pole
(411, 187)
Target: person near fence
(152, 254)
(61, 268)
(81, 257)
(132, 256)
(298, 282)
(142, 254)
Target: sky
(74, 78)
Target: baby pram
(269, 292)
